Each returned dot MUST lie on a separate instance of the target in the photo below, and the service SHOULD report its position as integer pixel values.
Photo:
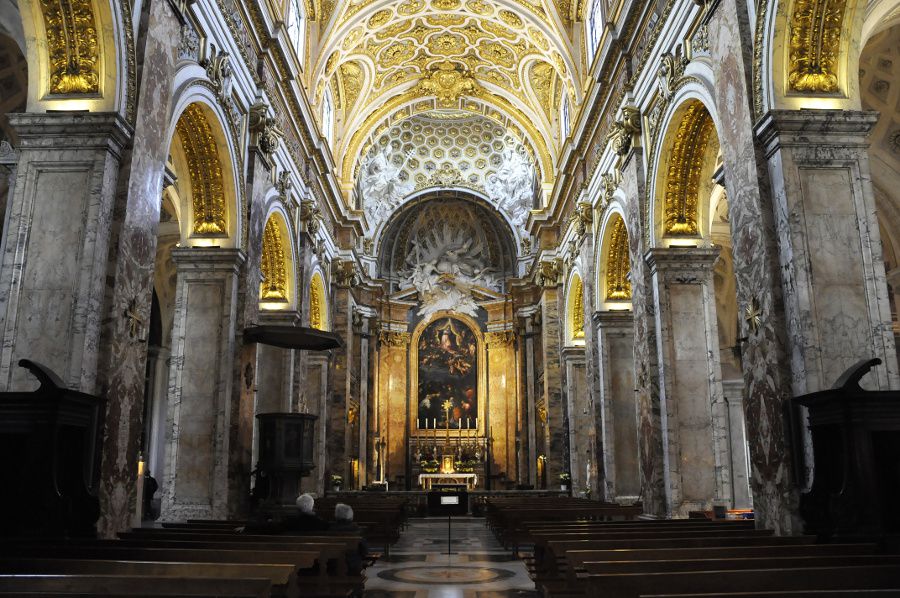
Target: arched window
(296, 27)
(594, 29)
(327, 116)
(565, 117)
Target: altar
(427, 480)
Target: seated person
(305, 520)
(343, 522)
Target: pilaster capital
(394, 339)
(682, 261)
(611, 319)
(71, 130)
(502, 338)
(811, 128)
(208, 259)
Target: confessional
(856, 458)
(49, 458)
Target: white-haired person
(343, 522)
(304, 520)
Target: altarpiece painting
(447, 371)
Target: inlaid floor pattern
(419, 566)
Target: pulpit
(49, 458)
(856, 453)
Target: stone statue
(512, 186)
(444, 266)
(380, 185)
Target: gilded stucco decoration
(815, 45)
(273, 265)
(351, 84)
(684, 167)
(205, 169)
(576, 308)
(73, 46)
(318, 307)
(618, 265)
(451, 51)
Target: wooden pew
(283, 578)
(131, 585)
(723, 582)
(790, 594)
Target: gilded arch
(618, 264)
(276, 290)
(208, 203)
(693, 144)
(318, 304)
(575, 309)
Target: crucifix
(135, 322)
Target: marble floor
(419, 566)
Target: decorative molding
(205, 169)
(548, 273)
(318, 306)
(618, 263)
(310, 214)
(622, 132)
(683, 173)
(448, 83)
(273, 287)
(264, 131)
(815, 45)
(73, 46)
(389, 338)
(671, 69)
(496, 340)
(344, 273)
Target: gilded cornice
(394, 339)
(496, 340)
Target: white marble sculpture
(380, 185)
(512, 186)
(444, 266)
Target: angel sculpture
(511, 187)
(380, 184)
(444, 266)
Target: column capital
(208, 258)
(681, 259)
(71, 130)
(573, 353)
(283, 317)
(610, 319)
(786, 128)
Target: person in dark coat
(343, 522)
(306, 519)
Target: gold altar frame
(412, 413)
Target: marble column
(201, 392)
(838, 310)
(391, 411)
(694, 416)
(618, 405)
(315, 399)
(502, 402)
(557, 414)
(9, 157)
(593, 382)
(54, 265)
(365, 357)
(580, 420)
(893, 280)
(123, 361)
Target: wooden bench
(283, 578)
(723, 582)
(131, 585)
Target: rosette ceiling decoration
(508, 61)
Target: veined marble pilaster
(54, 266)
(501, 401)
(136, 222)
(337, 438)
(201, 384)
(830, 247)
(580, 420)
(617, 403)
(764, 355)
(694, 417)
(557, 414)
(530, 400)
(596, 442)
(737, 434)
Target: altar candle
(468, 423)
